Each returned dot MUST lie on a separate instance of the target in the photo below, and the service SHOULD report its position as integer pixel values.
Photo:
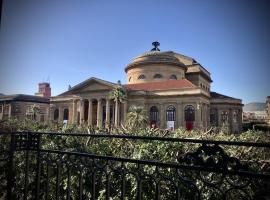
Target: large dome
(155, 57)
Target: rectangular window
(6, 109)
(41, 118)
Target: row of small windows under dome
(205, 87)
(156, 76)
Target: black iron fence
(33, 167)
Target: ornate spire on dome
(155, 44)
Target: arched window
(214, 117)
(170, 113)
(189, 113)
(235, 116)
(141, 77)
(157, 76)
(129, 79)
(66, 114)
(224, 116)
(173, 77)
(153, 114)
(56, 114)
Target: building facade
(21, 106)
(174, 89)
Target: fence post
(10, 170)
(38, 167)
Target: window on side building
(56, 114)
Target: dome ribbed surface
(156, 57)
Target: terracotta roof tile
(161, 85)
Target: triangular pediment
(90, 85)
(94, 86)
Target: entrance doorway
(189, 117)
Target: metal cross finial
(155, 44)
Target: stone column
(203, 115)
(180, 114)
(90, 112)
(116, 113)
(82, 111)
(230, 120)
(162, 117)
(107, 121)
(48, 113)
(99, 113)
(60, 119)
(74, 111)
(198, 113)
(9, 110)
(125, 111)
(240, 120)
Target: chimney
(44, 90)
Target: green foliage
(136, 119)
(169, 152)
(118, 94)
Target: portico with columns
(89, 104)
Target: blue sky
(68, 41)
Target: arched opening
(235, 116)
(94, 112)
(157, 76)
(141, 77)
(173, 77)
(170, 117)
(214, 117)
(66, 113)
(224, 116)
(86, 109)
(153, 116)
(56, 114)
(189, 117)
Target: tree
(118, 94)
(33, 111)
(136, 118)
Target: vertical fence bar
(10, 170)
(38, 168)
(68, 184)
(157, 189)
(139, 184)
(93, 186)
(107, 182)
(26, 167)
(47, 182)
(80, 186)
(93, 181)
(57, 182)
(157, 192)
(123, 183)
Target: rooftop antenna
(155, 44)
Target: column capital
(99, 99)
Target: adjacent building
(21, 106)
(174, 89)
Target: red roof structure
(161, 85)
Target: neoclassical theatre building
(174, 89)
